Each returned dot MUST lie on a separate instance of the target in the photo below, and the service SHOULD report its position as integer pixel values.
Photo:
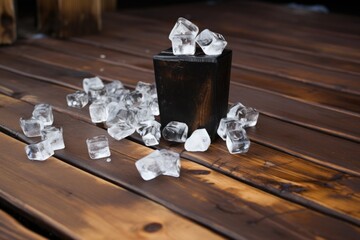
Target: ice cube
(182, 37)
(183, 45)
(142, 115)
(144, 88)
(247, 115)
(150, 132)
(175, 131)
(113, 86)
(199, 141)
(113, 109)
(163, 162)
(44, 113)
(183, 27)
(94, 83)
(54, 136)
(121, 130)
(133, 99)
(79, 99)
(211, 43)
(237, 141)
(154, 107)
(227, 124)
(98, 111)
(96, 93)
(31, 127)
(39, 151)
(98, 147)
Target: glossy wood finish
(299, 180)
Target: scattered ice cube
(199, 141)
(121, 130)
(54, 136)
(98, 111)
(43, 112)
(182, 37)
(247, 115)
(112, 109)
(39, 151)
(163, 162)
(211, 43)
(98, 147)
(79, 99)
(154, 107)
(227, 124)
(133, 99)
(31, 127)
(142, 115)
(250, 116)
(113, 86)
(150, 132)
(237, 141)
(96, 93)
(144, 88)
(94, 83)
(175, 131)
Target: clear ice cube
(43, 112)
(227, 124)
(199, 141)
(113, 86)
(31, 127)
(247, 115)
(144, 88)
(94, 83)
(98, 147)
(98, 111)
(39, 151)
(182, 37)
(237, 141)
(113, 109)
(96, 93)
(150, 132)
(211, 43)
(54, 136)
(121, 130)
(183, 45)
(175, 131)
(163, 162)
(154, 107)
(79, 99)
(183, 27)
(133, 99)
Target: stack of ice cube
(231, 129)
(40, 124)
(184, 37)
(123, 111)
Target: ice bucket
(193, 89)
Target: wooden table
(299, 180)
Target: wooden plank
(239, 211)
(282, 174)
(7, 22)
(59, 199)
(258, 29)
(69, 18)
(10, 228)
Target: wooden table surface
(299, 180)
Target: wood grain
(78, 205)
(200, 194)
(10, 228)
(7, 22)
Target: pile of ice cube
(40, 124)
(184, 37)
